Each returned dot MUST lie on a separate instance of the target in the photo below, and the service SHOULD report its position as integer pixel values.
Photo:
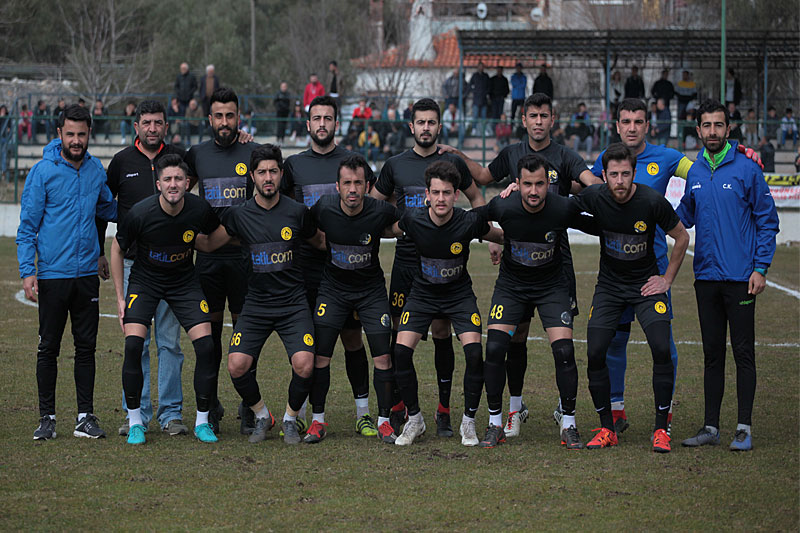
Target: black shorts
(312, 292)
(400, 285)
(461, 309)
(185, 300)
(256, 323)
(512, 305)
(609, 303)
(223, 278)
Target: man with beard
(627, 215)
(270, 227)
(132, 177)
(164, 229)
(307, 177)
(63, 194)
(404, 176)
(566, 173)
(219, 166)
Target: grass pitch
(349, 482)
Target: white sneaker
(468, 435)
(414, 428)
(515, 420)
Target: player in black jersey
(164, 229)
(404, 176)
(441, 288)
(307, 177)
(352, 282)
(567, 172)
(626, 215)
(270, 227)
(220, 167)
(531, 277)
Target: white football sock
(744, 427)
(514, 404)
(362, 407)
(618, 406)
(318, 417)
(496, 420)
(81, 416)
(567, 421)
(202, 418)
(135, 417)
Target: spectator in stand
(498, 90)
(450, 89)
(81, 102)
(479, 87)
(651, 134)
(335, 83)
(616, 89)
(283, 103)
(733, 89)
(502, 132)
(690, 131)
(247, 122)
(369, 143)
(788, 128)
(381, 126)
(298, 122)
(750, 128)
(452, 127)
(185, 87)
(25, 123)
(735, 120)
(177, 142)
(62, 105)
(395, 139)
(195, 121)
(313, 89)
(663, 88)
(663, 122)
(543, 83)
(519, 84)
(208, 85)
(582, 130)
(686, 92)
(634, 85)
(767, 154)
(771, 124)
(363, 111)
(174, 116)
(99, 120)
(126, 124)
(6, 138)
(42, 121)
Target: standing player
(271, 227)
(57, 254)
(132, 177)
(164, 229)
(307, 177)
(567, 172)
(531, 277)
(731, 205)
(627, 214)
(352, 282)
(404, 175)
(220, 167)
(441, 286)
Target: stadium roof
(782, 48)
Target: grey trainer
(262, 425)
(290, 433)
(175, 427)
(46, 429)
(704, 437)
(89, 427)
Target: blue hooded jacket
(57, 217)
(734, 214)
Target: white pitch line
(787, 290)
(20, 297)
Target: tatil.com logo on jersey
(241, 169)
(204, 306)
(552, 176)
(188, 235)
(640, 226)
(456, 248)
(652, 169)
(476, 319)
(308, 339)
(286, 233)
(661, 308)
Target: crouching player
(270, 227)
(164, 229)
(534, 222)
(627, 213)
(352, 281)
(442, 287)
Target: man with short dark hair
(498, 90)
(219, 166)
(519, 84)
(627, 214)
(543, 84)
(442, 235)
(729, 203)
(132, 177)
(63, 193)
(634, 86)
(663, 88)
(185, 86)
(164, 229)
(352, 282)
(479, 87)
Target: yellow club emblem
(286, 233)
(476, 319)
(308, 339)
(188, 235)
(456, 248)
(241, 169)
(661, 308)
(204, 306)
(640, 226)
(652, 169)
